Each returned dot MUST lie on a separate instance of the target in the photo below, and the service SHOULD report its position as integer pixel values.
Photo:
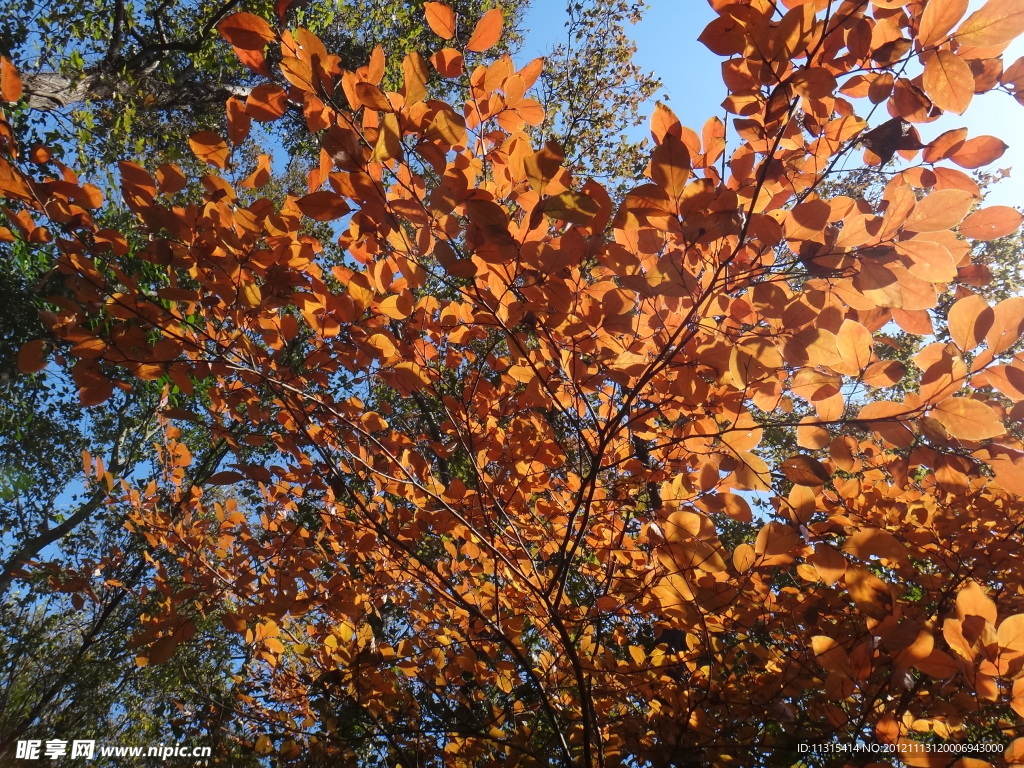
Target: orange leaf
(995, 23)
(868, 542)
(171, 179)
(969, 321)
(775, 543)
(487, 31)
(939, 17)
(991, 223)
(266, 102)
(972, 601)
(670, 165)
(414, 69)
(94, 387)
(814, 82)
(246, 31)
(440, 19)
(323, 206)
(1010, 634)
(1007, 325)
(210, 148)
(940, 210)
(448, 62)
(967, 419)
(870, 594)
(928, 260)
(238, 121)
(410, 377)
(854, 343)
(398, 307)
(664, 122)
(944, 145)
(979, 151)
(373, 97)
(949, 82)
(253, 60)
(260, 176)
(32, 356)
(884, 373)
(10, 82)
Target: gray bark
(49, 91)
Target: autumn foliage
(518, 471)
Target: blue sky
(667, 45)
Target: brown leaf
(32, 356)
(889, 137)
(323, 205)
(805, 470)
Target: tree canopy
(472, 459)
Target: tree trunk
(49, 91)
